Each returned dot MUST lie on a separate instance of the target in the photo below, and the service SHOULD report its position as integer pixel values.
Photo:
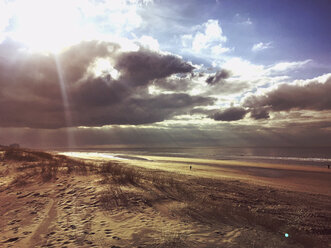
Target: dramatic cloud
(259, 113)
(142, 110)
(224, 86)
(33, 95)
(144, 65)
(177, 84)
(230, 114)
(163, 65)
(219, 77)
(311, 96)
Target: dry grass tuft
(49, 171)
(23, 179)
(113, 197)
(17, 154)
(173, 240)
(44, 166)
(120, 174)
(20, 180)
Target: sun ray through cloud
(66, 105)
(149, 123)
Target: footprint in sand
(11, 240)
(72, 226)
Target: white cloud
(117, 15)
(256, 78)
(243, 68)
(206, 37)
(149, 43)
(319, 79)
(287, 66)
(186, 40)
(261, 46)
(246, 70)
(219, 49)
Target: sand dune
(53, 201)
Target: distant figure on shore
(190, 167)
(328, 166)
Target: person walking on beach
(328, 166)
(190, 167)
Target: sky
(92, 73)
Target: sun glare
(53, 25)
(103, 67)
(45, 25)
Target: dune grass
(30, 165)
(201, 201)
(172, 239)
(116, 173)
(204, 201)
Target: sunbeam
(66, 106)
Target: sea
(314, 156)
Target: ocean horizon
(281, 155)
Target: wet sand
(302, 178)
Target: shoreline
(309, 179)
(274, 155)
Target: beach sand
(303, 178)
(53, 201)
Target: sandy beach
(309, 179)
(49, 200)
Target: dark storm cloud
(174, 101)
(220, 85)
(259, 113)
(76, 59)
(312, 96)
(178, 84)
(93, 92)
(219, 77)
(144, 65)
(137, 111)
(230, 114)
(31, 95)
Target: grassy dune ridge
(227, 213)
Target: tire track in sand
(45, 226)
